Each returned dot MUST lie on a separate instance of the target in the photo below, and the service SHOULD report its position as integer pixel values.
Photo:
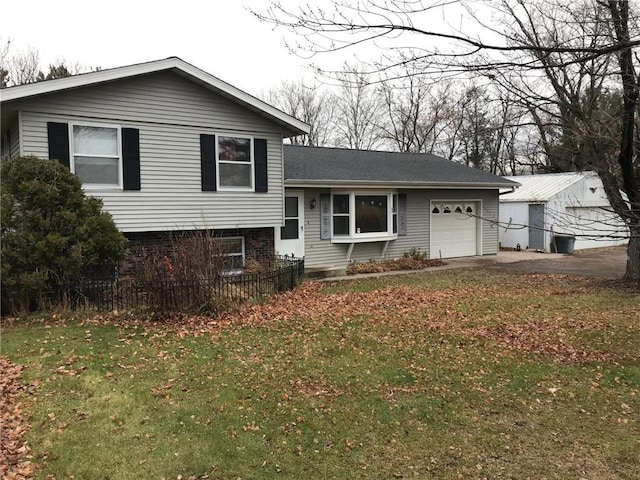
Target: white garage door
(454, 230)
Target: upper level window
(96, 155)
(235, 162)
(364, 216)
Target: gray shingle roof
(339, 166)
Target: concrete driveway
(599, 262)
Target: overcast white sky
(219, 36)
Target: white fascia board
(173, 63)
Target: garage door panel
(453, 234)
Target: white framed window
(394, 214)
(232, 248)
(458, 209)
(341, 216)
(96, 154)
(364, 216)
(372, 214)
(234, 162)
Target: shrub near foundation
(183, 279)
(412, 260)
(51, 232)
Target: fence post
(292, 280)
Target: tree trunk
(632, 273)
(619, 10)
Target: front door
(290, 237)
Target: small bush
(416, 254)
(412, 260)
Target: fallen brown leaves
(542, 338)
(403, 308)
(14, 451)
(309, 302)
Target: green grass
(485, 375)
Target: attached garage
(454, 229)
(362, 206)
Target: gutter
(506, 192)
(300, 183)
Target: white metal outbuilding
(564, 203)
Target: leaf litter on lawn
(454, 310)
(15, 463)
(463, 315)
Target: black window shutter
(325, 216)
(58, 138)
(260, 157)
(208, 162)
(131, 158)
(402, 214)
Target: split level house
(170, 148)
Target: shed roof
(541, 187)
(174, 64)
(320, 166)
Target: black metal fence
(198, 294)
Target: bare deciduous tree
(21, 67)
(561, 57)
(414, 114)
(358, 111)
(310, 104)
(586, 109)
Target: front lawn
(458, 374)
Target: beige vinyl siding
(319, 253)
(417, 226)
(323, 253)
(159, 98)
(490, 207)
(170, 113)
